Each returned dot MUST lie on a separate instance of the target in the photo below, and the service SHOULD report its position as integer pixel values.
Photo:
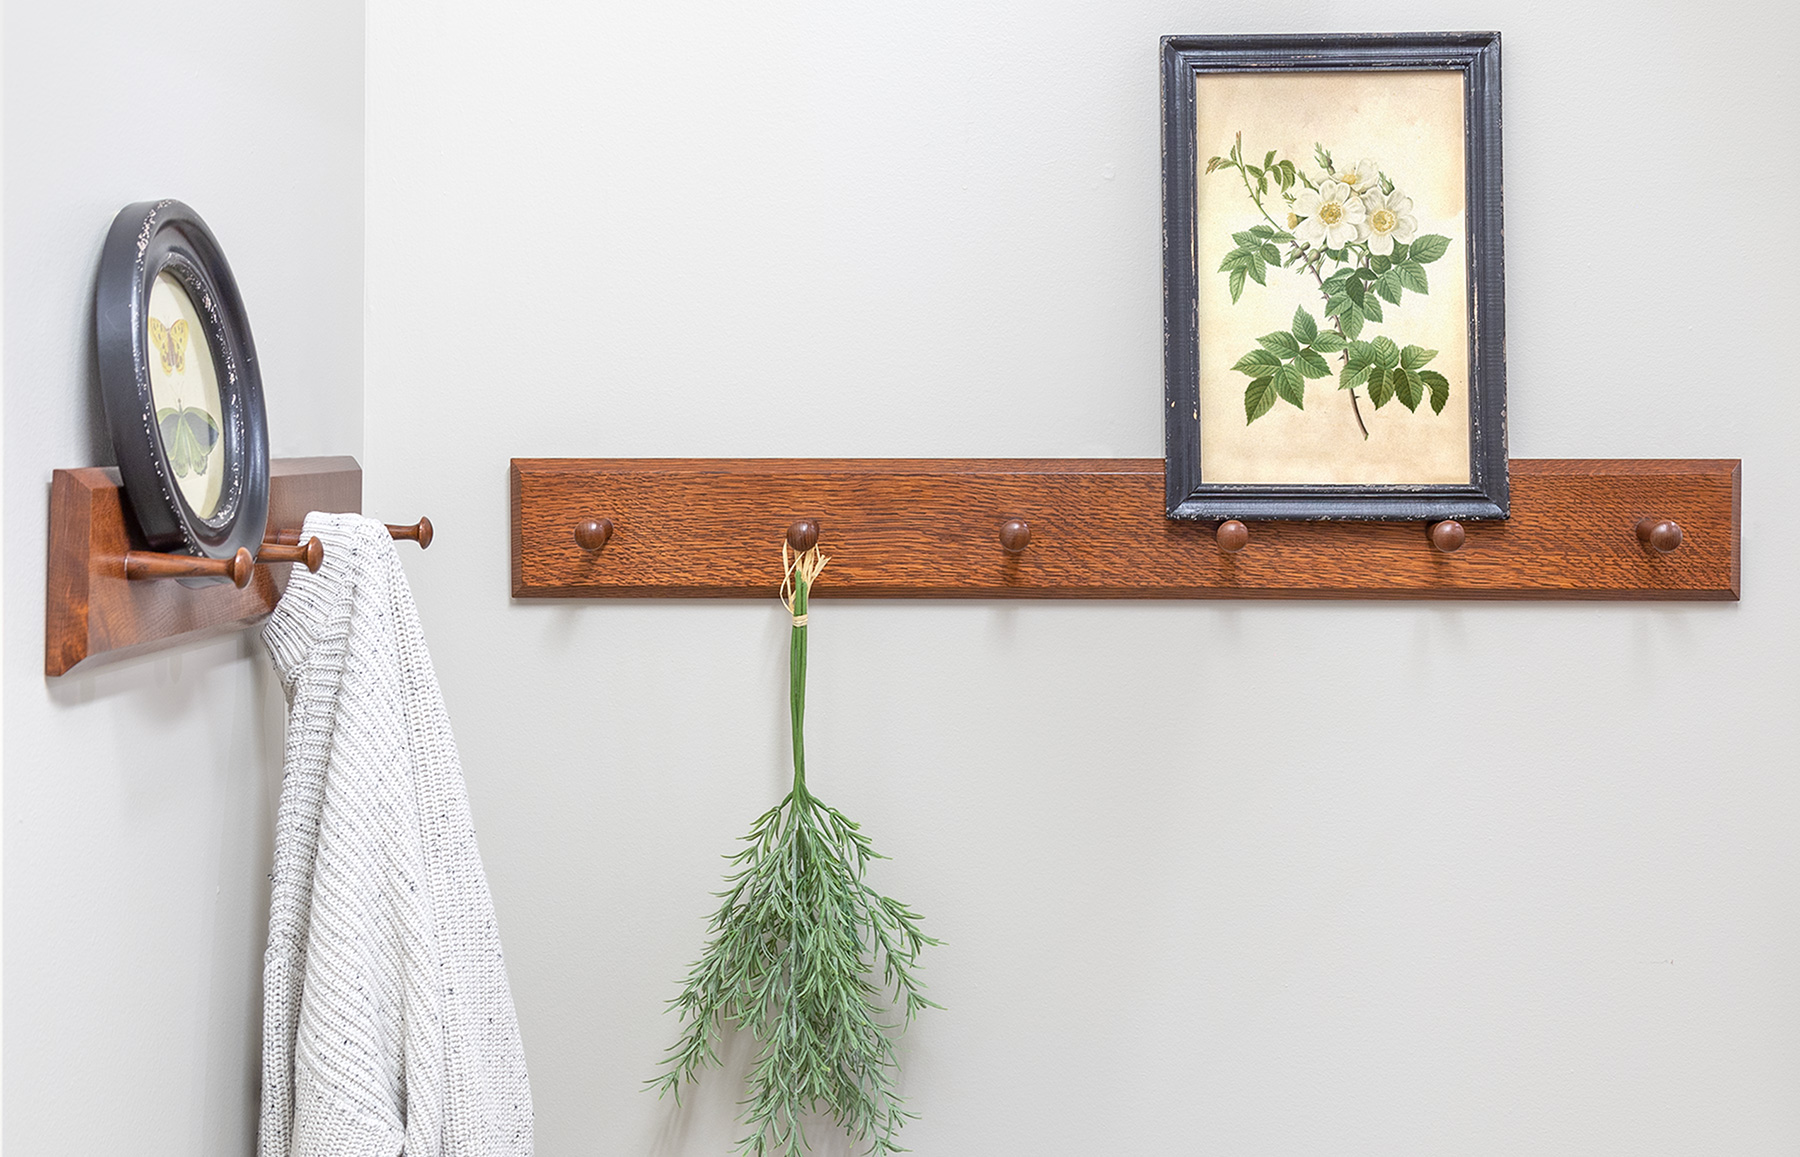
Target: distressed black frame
(146, 239)
(1477, 56)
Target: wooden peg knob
(803, 535)
(1661, 535)
(591, 533)
(143, 564)
(241, 565)
(1233, 536)
(1448, 535)
(419, 532)
(311, 553)
(1015, 536)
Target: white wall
(1214, 878)
(140, 798)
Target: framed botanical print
(1334, 312)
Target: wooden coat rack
(1081, 528)
(99, 602)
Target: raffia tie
(806, 566)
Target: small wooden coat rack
(99, 604)
(1095, 528)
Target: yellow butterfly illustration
(171, 343)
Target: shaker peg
(419, 532)
(1448, 535)
(1015, 536)
(591, 533)
(143, 564)
(312, 553)
(1661, 535)
(803, 535)
(1233, 536)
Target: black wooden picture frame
(1190, 495)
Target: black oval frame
(146, 239)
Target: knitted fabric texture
(388, 1024)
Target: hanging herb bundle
(792, 957)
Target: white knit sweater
(388, 1025)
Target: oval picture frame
(163, 252)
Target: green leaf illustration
(1352, 321)
(1412, 275)
(1429, 248)
(1311, 365)
(1257, 363)
(1440, 389)
(1400, 252)
(1259, 397)
(1388, 286)
(1407, 387)
(1371, 307)
(1381, 386)
(1328, 342)
(1280, 343)
(1414, 357)
(1246, 240)
(1385, 353)
(1291, 386)
(1380, 264)
(1306, 330)
(1237, 284)
(1254, 266)
(1352, 376)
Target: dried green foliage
(791, 957)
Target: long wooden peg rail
(1082, 528)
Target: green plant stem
(1313, 266)
(1245, 173)
(797, 688)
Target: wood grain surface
(909, 528)
(93, 613)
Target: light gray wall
(140, 798)
(1213, 878)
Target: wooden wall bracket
(93, 613)
(1083, 528)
